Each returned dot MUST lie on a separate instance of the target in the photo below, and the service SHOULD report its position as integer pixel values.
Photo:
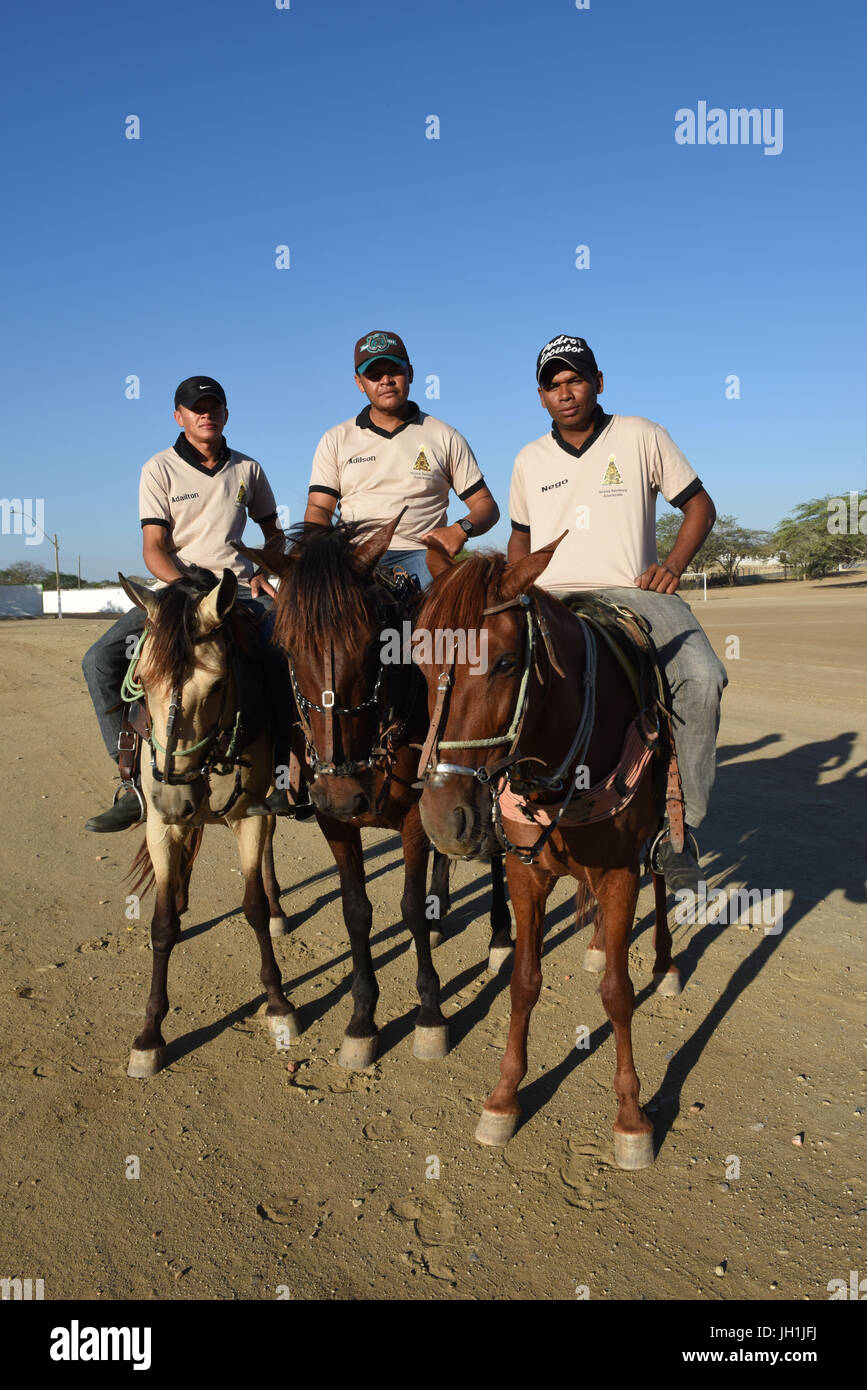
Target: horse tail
(190, 851)
(143, 868)
(585, 905)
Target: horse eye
(504, 664)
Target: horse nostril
(460, 822)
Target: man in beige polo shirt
(393, 455)
(194, 501)
(598, 476)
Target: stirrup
(652, 860)
(124, 787)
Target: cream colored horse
(210, 757)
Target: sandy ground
(323, 1183)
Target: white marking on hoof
(278, 926)
(594, 960)
(146, 1061)
(495, 1130)
(633, 1150)
(667, 984)
(283, 1029)
(356, 1053)
(431, 1044)
(500, 960)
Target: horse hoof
(278, 926)
(146, 1061)
(594, 960)
(633, 1150)
(499, 958)
(356, 1053)
(430, 1044)
(495, 1130)
(283, 1029)
(668, 983)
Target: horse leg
(360, 1040)
(166, 847)
(587, 911)
(666, 976)
(633, 1133)
(439, 891)
(250, 835)
(529, 889)
(501, 953)
(277, 924)
(431, 1039)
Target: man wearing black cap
(394, 456)
(598, 476)
(194, 500)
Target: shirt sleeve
(325, 473)
(260, 502)
(153, 497)
(670, 471)
(518, 513)
(466, 476)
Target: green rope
(130, 690)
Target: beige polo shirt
(604, 495)
(374, 474)
(204, 509)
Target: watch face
(466, 525)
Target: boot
(128, 809)
(278, 804)
(680, 871)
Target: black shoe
(278, 804)
(126, 811)
(680, 871)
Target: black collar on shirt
(413, 417)
(600, 420)
(190, 454)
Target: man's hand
(259, 585)
(451, 538)
(662, 579)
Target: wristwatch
(466, 525)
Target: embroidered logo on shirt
(241, 499)
(421, 464)
(611, 475)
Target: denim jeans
(697, 679)
(413, 561)
(105, 663)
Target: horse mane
(171, 652)
(459, 593)
(328, 591)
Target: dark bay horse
(555, 712)
(210, 759)
(360, 714)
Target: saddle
(627, 635)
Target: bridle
(490, 775)
(222, 743)
(390, 730)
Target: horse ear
(141, 596)
(216, 604)
(438, 558)
(518, 577)
(369, 553)
(271, 561)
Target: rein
(229, 726)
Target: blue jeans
(697, 679)
(413, 561)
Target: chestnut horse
(210, 759)
(359, 716)
(553, 698)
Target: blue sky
(306, 127)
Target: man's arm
(320, 508)
(699, 515)
(483, 513)
(159, 563)
(519, 545)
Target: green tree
(727, 546)
(822, 534)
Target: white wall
(112, 600)
(20, 600)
